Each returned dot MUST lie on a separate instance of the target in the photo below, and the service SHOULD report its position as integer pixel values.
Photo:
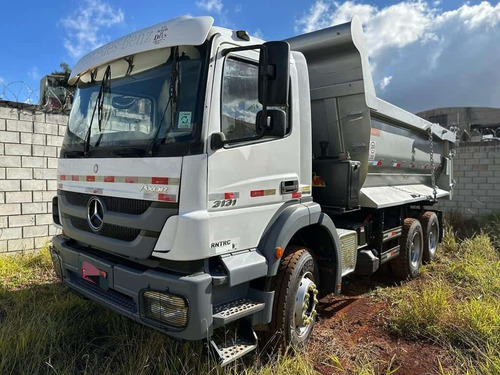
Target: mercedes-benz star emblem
(95, 214)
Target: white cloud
(83, 28)
(221, 13)
(316, 18)
(214, 6)
(424, 57)
(33, 73)
(385, 82)
(258, 34)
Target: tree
(65, 70)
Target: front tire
(295, 299)
(407, 264)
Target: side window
(239, 99)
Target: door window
(240, 99)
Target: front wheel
(295, 299)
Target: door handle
(290, 186)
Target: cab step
(234, 310)
(233, 348)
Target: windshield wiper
(98, 106)
(106, 90)
(174, 77)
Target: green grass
(21, 271)
(469, 226)
(47, 329)
(455, 303)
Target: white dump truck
(210, 179)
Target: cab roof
(185, 30)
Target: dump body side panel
(350, 124)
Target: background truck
(208, 178)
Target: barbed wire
(18, 91)
(53, 97)
(486, 131)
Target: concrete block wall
(477, 173)
(30, 140)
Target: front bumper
(125, 284)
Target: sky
(423, 54)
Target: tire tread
(425, 220)
(400, 265)
(281, 285)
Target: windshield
(151, 112)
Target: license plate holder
(97, 272)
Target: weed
(47, 329)
(457, 304)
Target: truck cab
(185, 183)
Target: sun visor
(188, 31)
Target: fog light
(165, 308)
(56, 260)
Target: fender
(289, 221)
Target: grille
(107, 230)
(113, 204)
(111, 296)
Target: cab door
(248, 181)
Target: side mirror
(272, 123)
(217, 140)
(274, 74)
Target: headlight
(165, 308)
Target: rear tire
(430, 224)
(295, 299)
(407, 264)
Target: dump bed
(366, 151)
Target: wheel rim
(433, 238)
(416, 250)
(305, 304)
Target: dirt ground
(352, 328)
